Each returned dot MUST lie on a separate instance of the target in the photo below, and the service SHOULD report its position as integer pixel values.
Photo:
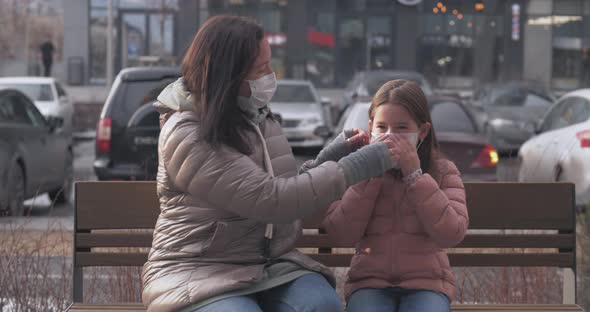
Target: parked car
(35, 157)
(457, 132)
(128, 129)
(365, 84)
(561, 150)
(509, 112)
(306, 119)
(47, 94)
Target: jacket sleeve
(347, 219)
(224, 178)
(441, 210)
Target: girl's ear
(370, 126)
(424, 130)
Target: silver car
(47, 95)
(305, 117)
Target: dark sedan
(35, 158)
(510, 112)
(457, 132)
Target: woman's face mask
(262, 90)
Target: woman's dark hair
(217, 62)
(410, 96)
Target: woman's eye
(380, 127)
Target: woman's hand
(405, 154)
(359, 139)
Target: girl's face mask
(411, 137)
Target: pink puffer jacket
(401, 232)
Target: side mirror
(354, 95)
(322, 131)
(54, 123)
(326, 101)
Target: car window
(514, 97)
(139, 93)
(358, 118)
(451, 117)
(293, 94)
(14, 110)
(374, 84)
(37, 92)
(60, 91)
(568, 112)
(34, 115)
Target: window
(293, 94)
(37, 92)
(60, 91)
(13, 109)
(34, 115)
(358, 118)
(139, 93)
(451, 117)
(570, 111)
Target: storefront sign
(409, 2)
(515, 22)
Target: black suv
(128, 129)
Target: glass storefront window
(567, 51)
(319, 67)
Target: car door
(555, 143)
(27, 137)
(54, 144)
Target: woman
(229, 195)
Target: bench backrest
(105, 211)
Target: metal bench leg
(569, 286)
(78, 285)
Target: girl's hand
(359, 139)
(406, 155)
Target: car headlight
(311, 121)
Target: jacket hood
(174, 98)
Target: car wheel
(16, 206)
(63, 194)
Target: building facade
(453, 43)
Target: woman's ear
(370, 127)
(424, 131)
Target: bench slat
(131, 307)
(470, 241)
(116, 205)
(86, 259)
(116, 259)
(489, 205)
(89, 240)
(474, 260)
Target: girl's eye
(380, 127)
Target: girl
(230, 196)
(402, 222)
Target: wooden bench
(492, 206)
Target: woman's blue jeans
(309, 293)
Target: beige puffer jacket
(215, 204)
